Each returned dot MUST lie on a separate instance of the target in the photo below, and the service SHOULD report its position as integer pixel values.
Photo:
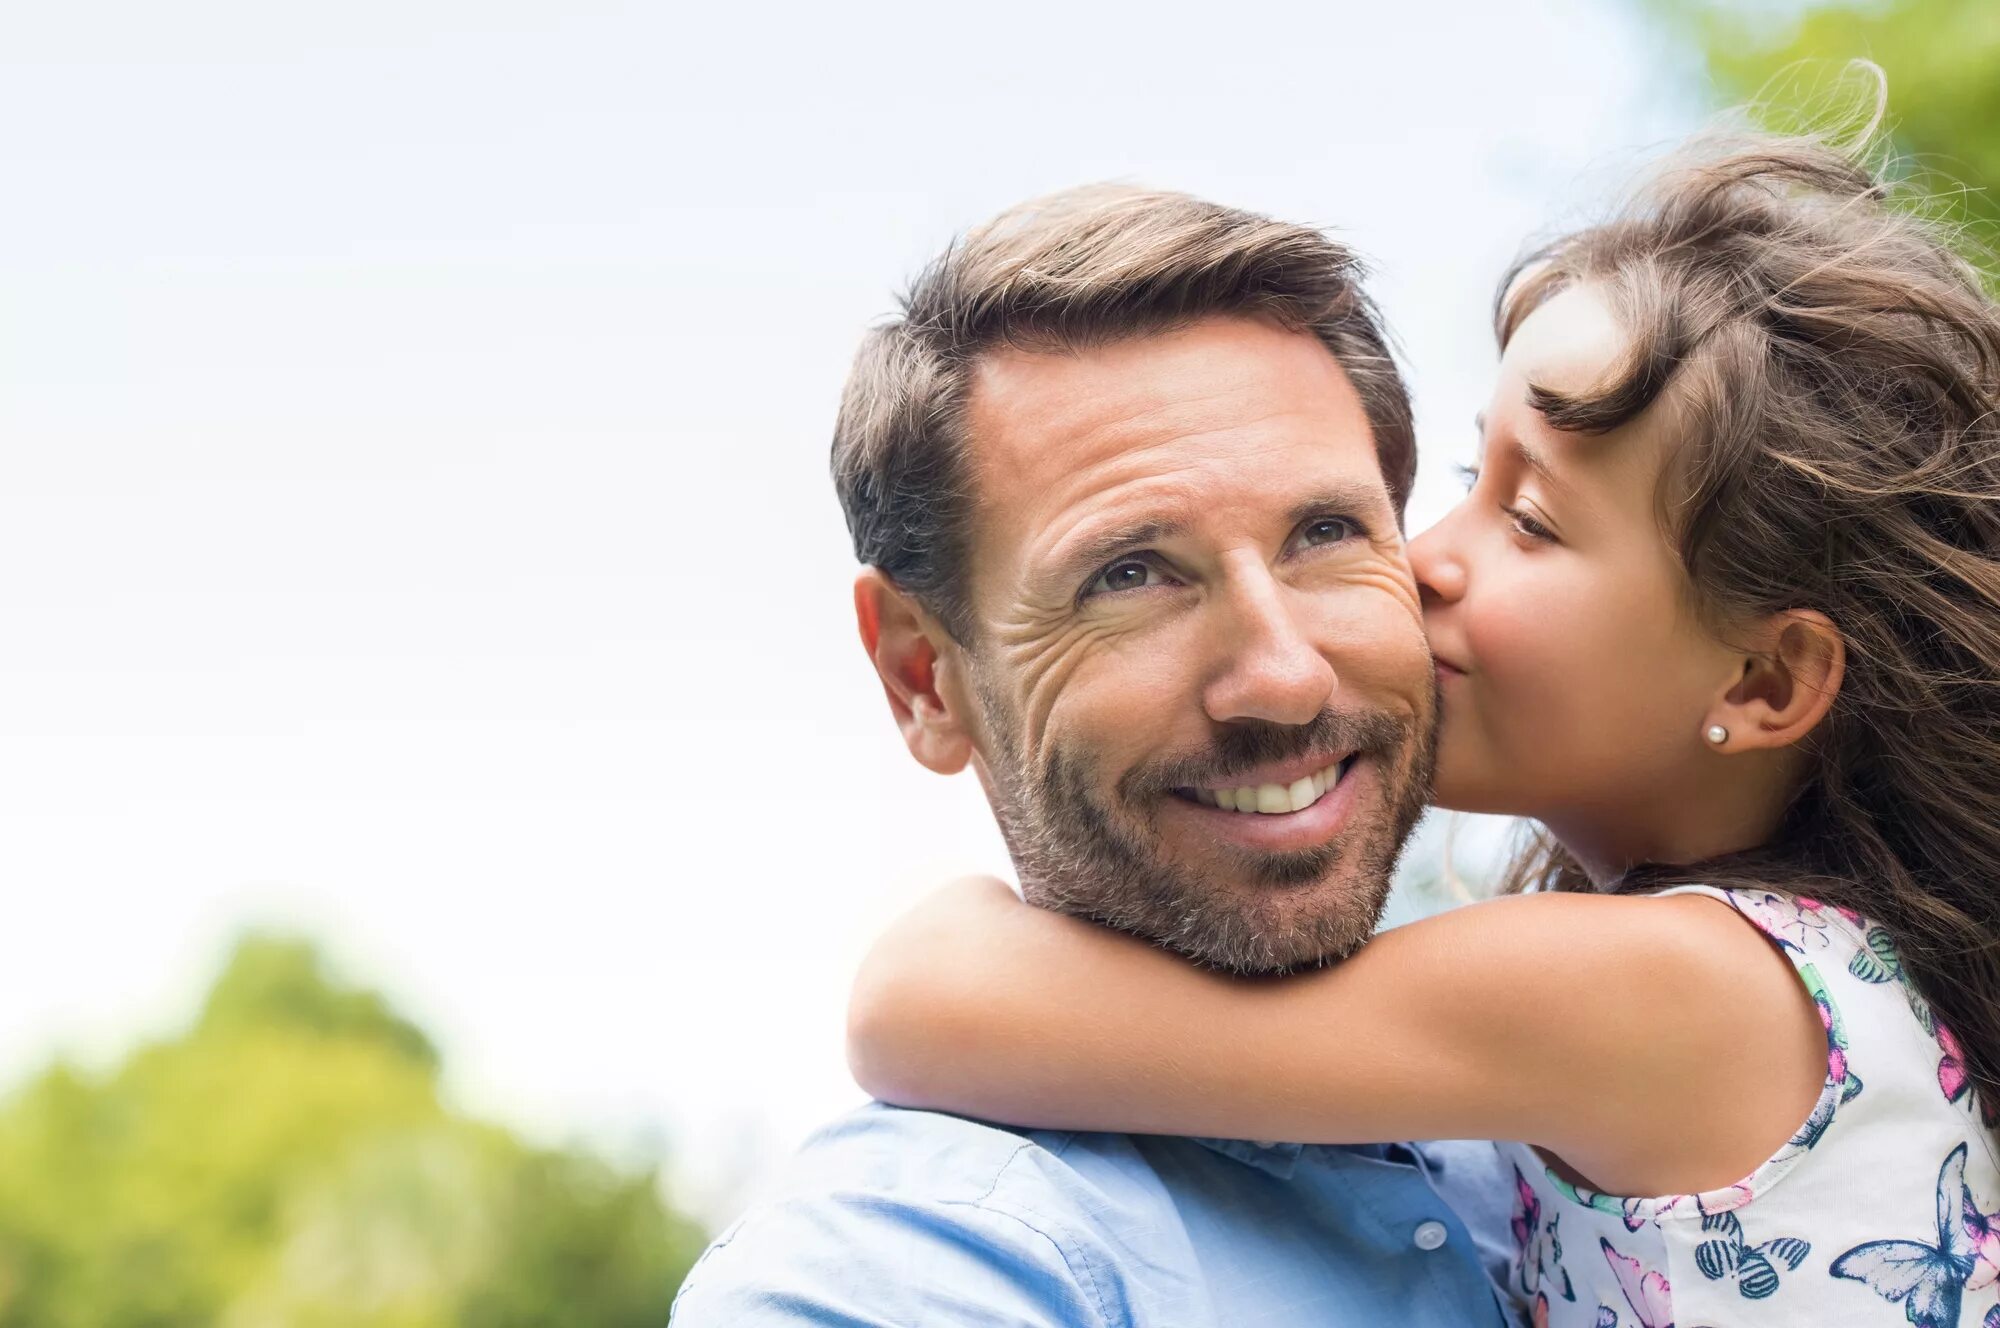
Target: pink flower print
(1953, 1080)
(1713, 1201)
(1795, 924)
(1648, 1293)
(1838, 1071)
(1981, 1230)
(1847, 915)
(1540, 1245)
(1836, 1047)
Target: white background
(414, 526)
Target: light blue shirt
(909, 1219)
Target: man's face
(1204, 699)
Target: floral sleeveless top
(1884, 1208)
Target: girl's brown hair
(1831, 371)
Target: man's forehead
(1218, 391)
(1226, 418)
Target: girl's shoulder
(1797, 924)
(1895, 1158)
(1866, 998)
(1846, 960)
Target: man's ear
(1783, 690)
(920, 667)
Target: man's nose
(1434, 559)
(1272, 670)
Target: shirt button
(1430, 1235)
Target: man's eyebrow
(1346, 499)
(1088, 553)
(1092, 551)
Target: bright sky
(413, 515)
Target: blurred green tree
(1942, 58)
(288, 1162)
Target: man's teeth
(1273, 799)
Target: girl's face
(1574, 677)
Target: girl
(1722, 612)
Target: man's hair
(1078, 269)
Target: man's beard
(1076, 855)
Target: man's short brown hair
(1077, 269)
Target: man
(1127, 476)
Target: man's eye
(1327, 530)
(1128, 574)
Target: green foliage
(289, 1163)
(1942, 59)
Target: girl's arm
(1656, 1045)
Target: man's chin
(1276, 927)
(1241, 891)
(1266, 916)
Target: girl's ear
(918, 663)
(1783, 689)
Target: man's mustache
(1241, 747)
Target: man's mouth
(1273, 799)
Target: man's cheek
(1383, 652)
(1066, 675)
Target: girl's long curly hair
(1831, 366)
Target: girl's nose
(1439, 570)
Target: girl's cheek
(1509, 629)
(1546, 666)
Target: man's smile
(1273, 817)
(1274, 792)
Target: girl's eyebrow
(1528, 456)
(1537, 462)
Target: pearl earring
(1718, 734)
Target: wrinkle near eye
(1392, 573)
(1042, 645)
(1043, 651)
(1382, 565)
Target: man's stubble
(1076, 855)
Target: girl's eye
(1325, 530)
(1468, 475)
(1125, 574)
(1528, 526)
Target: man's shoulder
(890, 1149)
(1074, 1190)
(922, 1209)
(954, 1159)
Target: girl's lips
(1447, 669)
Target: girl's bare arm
(1656, 1045)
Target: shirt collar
(1282, 1159)
(1278, 1159)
